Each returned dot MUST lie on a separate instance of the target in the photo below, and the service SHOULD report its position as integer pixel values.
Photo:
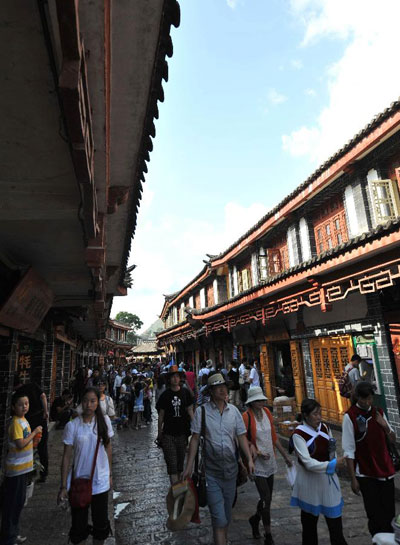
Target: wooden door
(268, 370)
(298, 372)
(329, 356)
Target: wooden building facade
(313, 282)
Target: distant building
(147, 350)
(313, 282)
(116, 343)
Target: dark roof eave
(377, 120)
(170, 16)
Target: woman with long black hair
(316, 489)
(80, 439)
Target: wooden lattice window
(330, 227)
(385, 200)
(278, 261)
(318, 363)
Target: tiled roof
(376, 121)
(148, 347)
(360, 240)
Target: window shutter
(304, 240)
(215, 290)
(351, 211)
(254, 269)
(202, 298)
(292, 247)
(235, 281)
(263, 264)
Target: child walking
(19, 463)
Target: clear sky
(260, 93)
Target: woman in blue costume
(316, 489)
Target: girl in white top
(80, 440)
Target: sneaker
(20, 539)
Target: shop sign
(28, 303)
(24, 363)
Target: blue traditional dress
(316, 489)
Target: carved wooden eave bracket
(74, 93)
(117, 195)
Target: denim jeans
(14, 494)
(220, 498)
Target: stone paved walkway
(140, 486)
(141, 481)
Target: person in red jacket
(365, 430)
(263, 440)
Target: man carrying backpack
(352, 369)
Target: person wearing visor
(224, 429)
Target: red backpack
(345, 386)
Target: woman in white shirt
(80, 440)
(263, 440)
(106, 402)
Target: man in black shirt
(175, 411)
(234, 388)
(37, 416)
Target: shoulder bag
(199, 475)
(80, 493)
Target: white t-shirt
(118, 381)
(265, 468)
(256, 379)
(204, 371)
(83, 437)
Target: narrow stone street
(140, 487)
(141, 483)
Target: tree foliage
(129, 319)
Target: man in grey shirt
(224, 429)
(353, 371)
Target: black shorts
(80, 529)
(174, 448)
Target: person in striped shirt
(18, 464)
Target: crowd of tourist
(223, 409)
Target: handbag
(199, 475)
(80, 492)
(394, 454)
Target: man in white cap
(224, 426)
